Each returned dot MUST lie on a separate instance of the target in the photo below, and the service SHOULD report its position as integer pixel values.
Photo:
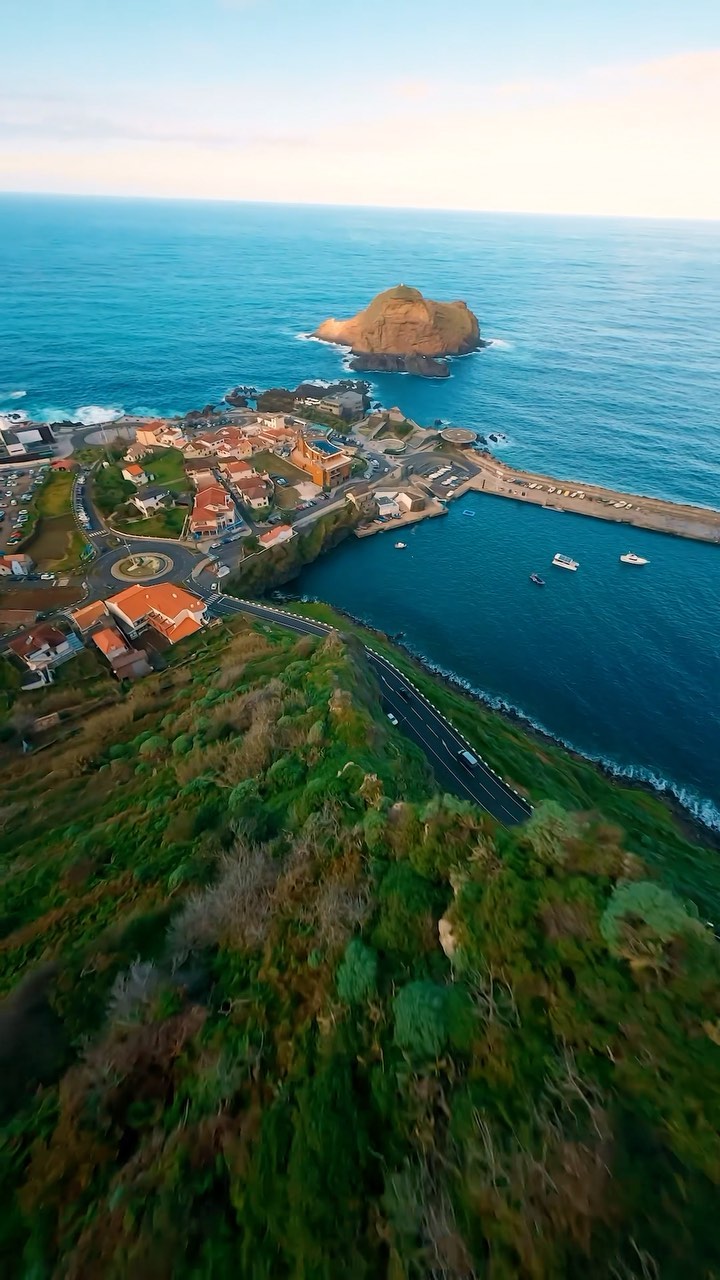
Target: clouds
(624, 139)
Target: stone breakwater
(638, 510)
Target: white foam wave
(502, 344)
(698, 806)
(16, 395)
(310, 337)
(94, 415)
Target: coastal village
(119, 541)
(228, 487)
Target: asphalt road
(417, 718)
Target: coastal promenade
(684, 521)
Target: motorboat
(535, 577)
(631, 558)
(565, 562)
(400, 546)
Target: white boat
(631, 558)
(564, 562)
(400, 546)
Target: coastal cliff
(401, 331)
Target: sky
(546, 106)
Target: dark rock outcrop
(421, 366)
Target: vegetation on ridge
(274, 1007)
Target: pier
(636, 510)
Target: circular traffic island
(145, 566)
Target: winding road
(418, 719)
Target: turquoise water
(604, 366)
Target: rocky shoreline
(692, 827)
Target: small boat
(400, 546)
(631, 558)
(565, 562)
(535, 577)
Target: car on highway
(467, 759)
(392, 718)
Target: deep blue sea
(605, 366)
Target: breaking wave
(94, 415)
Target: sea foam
(94, 415)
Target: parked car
(47, 577)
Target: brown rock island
(403, 332)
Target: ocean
(603, 366)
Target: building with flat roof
(323, 462)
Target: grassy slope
(238, 1048)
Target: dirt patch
(52, 541)
(39, 599)
(12, 618)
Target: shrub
(408, 908)
(420, 1018)
(153, 746)
(234, 912)
(357, 975)
(548, 831)
(182, 744)
(642, 920)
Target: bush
(548, 831)
(152, 746)
(420, 1018)
(182, 744)
(357, 975)
(642, 920)
(409, 906)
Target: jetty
(490, 475)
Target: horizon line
(386, 208)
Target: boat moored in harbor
(631, 558)
(565, 562)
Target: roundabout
(143, 566)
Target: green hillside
(274, 1008)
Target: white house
(387, 504)
(148, 500)
(135, 474)
(169, 609)
(44, 646)
(15, 565)
(274, 537)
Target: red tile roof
(110, 642)
(33, 639)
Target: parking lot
(17, 488)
